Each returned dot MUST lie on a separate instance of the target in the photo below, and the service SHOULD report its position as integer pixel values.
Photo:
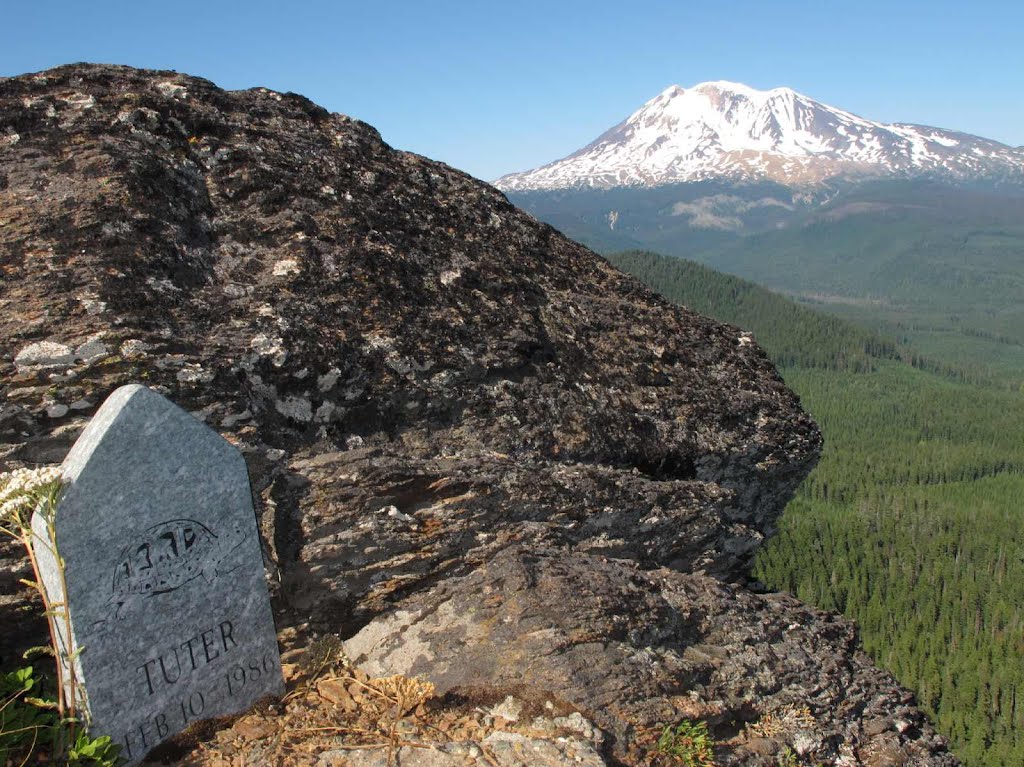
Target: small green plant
(688, 743)
(93, 752)
(788, 758)
(30, 725)
(28, 720)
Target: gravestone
(170, 616)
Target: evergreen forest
(910, 524)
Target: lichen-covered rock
(501, 749)
(638, 649)
(419, 374)
(294, 281)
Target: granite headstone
(170, 616)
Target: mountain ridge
(720, 129)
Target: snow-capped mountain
(728, 130)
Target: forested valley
(911, 523)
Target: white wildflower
(19, 490)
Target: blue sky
(494, 87)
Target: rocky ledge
(480, 452)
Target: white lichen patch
(92, 350)
(9, 139)
(162, 285)
(172, 90)
(44, 355)
(846, 758)
(270, 346)
(379, 342)
(806, 743)
(171, 361)
(325, 413)
(449, 276)
(140, 118)
(326, 382)
(286, 266)
(509, 709)
(576, 722)
(193, 373)
(262, 388)
(415, 646)
(401, 365)
(79, 100)
(132, 348)
(235, 418)
(91, 303)
(267, 92)
(296, 408)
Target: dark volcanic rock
(634, 649)
(419, 374)
(304, 287)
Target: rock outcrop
(633, 649)
(448, 409)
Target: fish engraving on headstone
(170, 616)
